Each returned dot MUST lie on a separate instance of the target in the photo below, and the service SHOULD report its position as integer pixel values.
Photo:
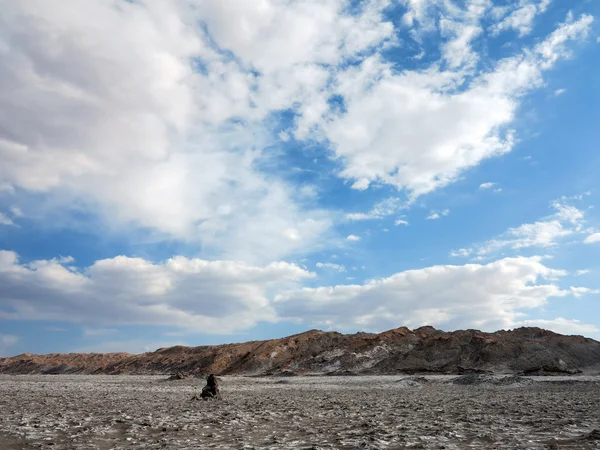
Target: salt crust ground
(393, 412)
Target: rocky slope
(531, 351)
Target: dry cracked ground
(376, 412)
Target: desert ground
(374, 412)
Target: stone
(179, 376)
(211, 390)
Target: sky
(199, 172)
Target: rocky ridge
(426, 350)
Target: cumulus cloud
(487, 185)
(522, 17)
(353, 237)
(592, 238)
(420, 130)
(582, 272)
(490, 297)
(381, 210)
(134, 118)
(212, 296)
(329, 265)
(400, 222)
(434, 215)
(580, 291)
(226, 297)
(544, 233)
(150, 120)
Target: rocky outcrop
(211, 390)
(178, 376)
(425, 350)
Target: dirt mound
(527, 351)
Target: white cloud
(225, 297)
(176, 146)
(353, 237)
(6, 342)
(5, 220)
(434, 215)
(582, 272)
(489, 297)
(487, 185)
(580, 291)
(592, 238)
(463, 252)
(329, 265)
(381, 210)
(559, 92)
(212, 296)
(420, 130)
(521, 18)
(156, 148)
(544, 233)
(538, 234)
(358, 216)
(400, 222)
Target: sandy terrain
(387, 412)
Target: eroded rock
(211, 390)
(179, 376)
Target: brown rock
(399, 351)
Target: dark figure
(211, 390)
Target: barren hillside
(424, 350)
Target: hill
(424, 350)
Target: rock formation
(179, 376)
(529, 351)
(211, 390)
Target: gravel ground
(126, 412)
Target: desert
(310, 412)
(428, 389)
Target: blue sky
(208, 172)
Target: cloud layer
(567, 221)
(160, 116)
(227, 297)
(490, 297)
(205, 296)
(183, 121)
